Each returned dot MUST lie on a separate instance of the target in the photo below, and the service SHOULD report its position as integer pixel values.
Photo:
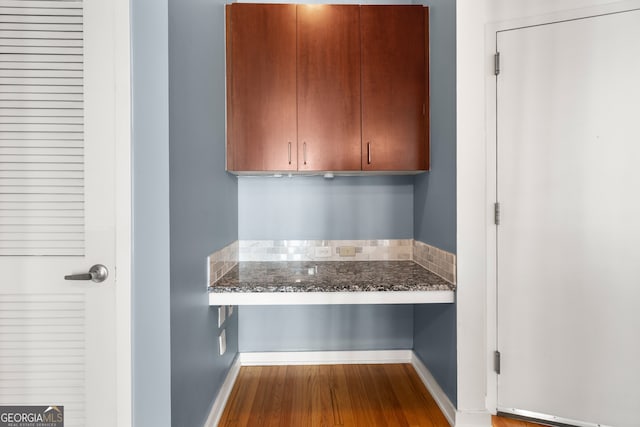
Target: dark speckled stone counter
(330, 276)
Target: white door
(57, 214)
(568, 171)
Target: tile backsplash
(436, 260)
(220, 262)
(325, 250)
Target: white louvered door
(57, 177)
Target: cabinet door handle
(368, 153)
(289, 152)
(304, 152)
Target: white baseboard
(325, 357)
(473, 419)
(223, 395)
(455, 418)
(443, 401)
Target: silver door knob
(98, 273)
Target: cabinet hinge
(496, 362)
(496, 63)
(496, 213)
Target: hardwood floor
(334, 395)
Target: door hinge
(496, 63)
(496, 213)
(496, 362)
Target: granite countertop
(329, 276)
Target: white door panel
(568, 150)
(57, 215)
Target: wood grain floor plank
(434, 414)
(344, 405)
(365, 409)
(321, 392)
(256, 411)
(265, 405)
(272, 403)
(301, 408)
(238, 406)
(276, 402)
(287, 409)
(392, 408)
(374, 406)
(418, 404)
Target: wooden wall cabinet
(327, 88)
(261, 87)
(394, 88)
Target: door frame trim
(491, 33)
(123, 210)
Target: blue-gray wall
(434, 342)
(301, 207)
(435, 192)
(151, 363)
(434, 325)
(326, 327)
(204, 214)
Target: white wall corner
(223, 395)
(472, 215)
(473, 419)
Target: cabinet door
(328, 87)
(394, 84)
(261, 87)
